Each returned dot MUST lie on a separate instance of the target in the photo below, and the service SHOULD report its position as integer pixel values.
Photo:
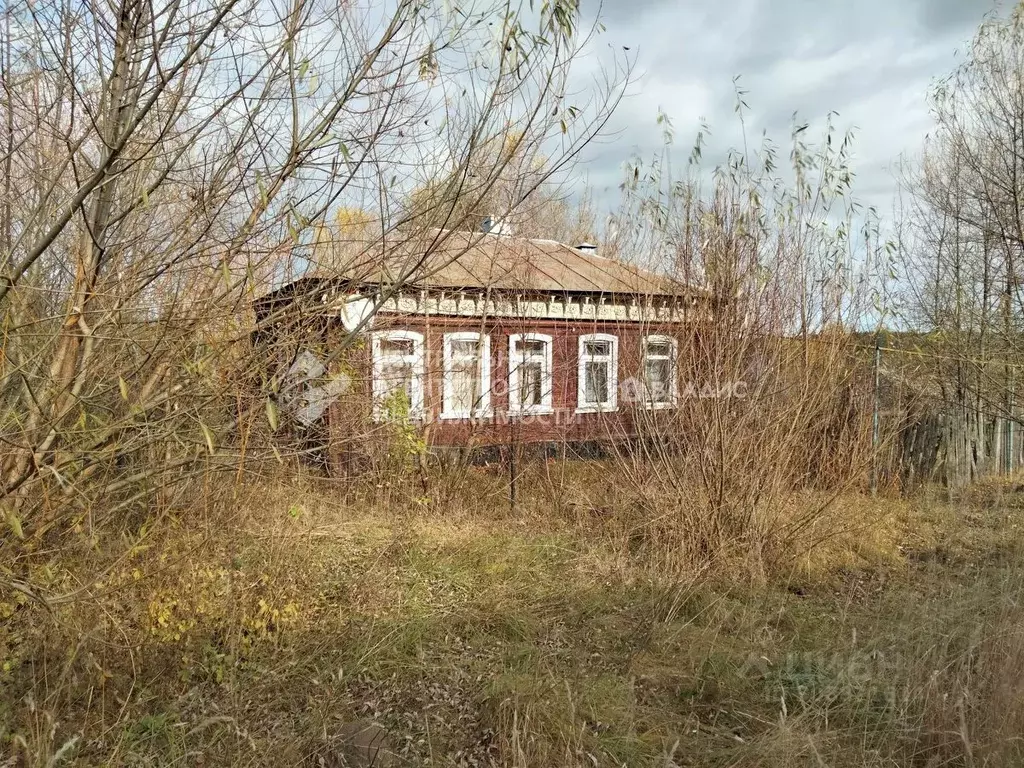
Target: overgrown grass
(554, 634)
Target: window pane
(465, 348)
(660, 348)
(396, 346)
(397, 378)
(531, 384)
(659, 379)
(597, 348)
(465, 386)
(530, 347)
(595, 381)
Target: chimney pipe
(493, 226)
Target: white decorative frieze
(553, 308)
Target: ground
(530, 638)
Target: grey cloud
(942, 16)
(870, 61)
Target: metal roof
(446, 259)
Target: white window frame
(418, 359)
(673, 370)
(483, 407)
(547, 382)
(611, 360)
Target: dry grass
(555, 635)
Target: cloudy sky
(872, 61)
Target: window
(598, 372)
(467, 375)
(398, 362)
(660, 371)
(529, 373)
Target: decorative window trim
(611, 360)
(417, 409)
(483, 408)
(673, 370)
(547, 382)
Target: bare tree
(162, 161)
(963, 242)
(529, 198)
(769, 401)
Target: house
(482, 338)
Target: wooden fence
(925, 437)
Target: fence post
(875, 418)
(1011, 459)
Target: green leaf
(15, 522)
(272, 414)
(123, 386)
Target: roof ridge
(468, 259)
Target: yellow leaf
(272, 414)
(208, 434)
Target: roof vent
(588, 248)
(493, 226)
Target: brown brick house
(480, 338)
